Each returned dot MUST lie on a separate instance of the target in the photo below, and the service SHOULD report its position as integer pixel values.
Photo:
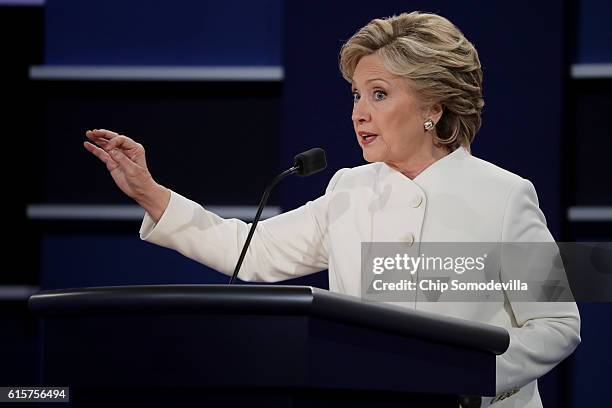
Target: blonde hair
(440, 64)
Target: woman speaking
(417, 99)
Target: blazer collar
(435, 172)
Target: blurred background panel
(193, 132)
(586, 191)
(183, 32)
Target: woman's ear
(435, 112)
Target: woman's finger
(97, 140)
(102, 133)
(101, 154)
(121, 142)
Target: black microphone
(309, 162)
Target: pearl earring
(428, 125)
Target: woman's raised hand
(125, 160)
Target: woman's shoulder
(482, 168)
(461, 168)
(483, 179)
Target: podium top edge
(268, 300)
(258, 299)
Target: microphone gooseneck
(307, 163)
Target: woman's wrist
(155, 201)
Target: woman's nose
(360, 113)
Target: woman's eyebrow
(371, 80)
(377, 79)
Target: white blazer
(459, 198)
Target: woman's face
(385, 107)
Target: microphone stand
(262, 204)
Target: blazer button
(416, 201)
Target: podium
(258, 345)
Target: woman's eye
(355, 96)
(379, 95)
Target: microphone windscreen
(310, 162)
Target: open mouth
(367, 139)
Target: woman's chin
(370, 156)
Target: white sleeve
(546, 332)
(288, 245)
